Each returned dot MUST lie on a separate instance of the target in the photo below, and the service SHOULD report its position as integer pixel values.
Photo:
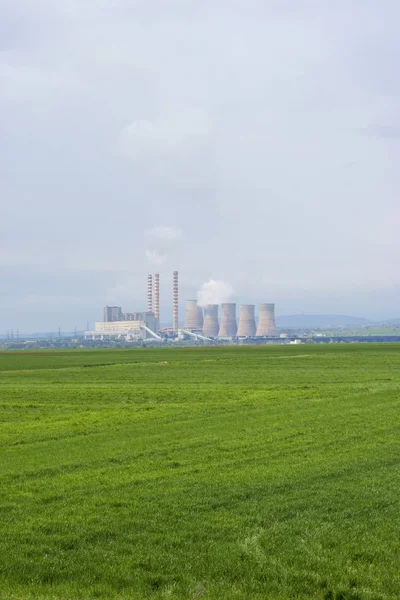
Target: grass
(250, 473)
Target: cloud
(214, 292)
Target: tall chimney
(149, 293)
(247, 321)
(157, 300)
(175, 310)
(193, 316)
(211, 325)
(228, 326)
(266, 321)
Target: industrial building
(138, 325)
(113, 313)
(132, 325)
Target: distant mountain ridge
(393, 322)
(320, 321)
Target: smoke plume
(214, 292)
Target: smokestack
(247, 321)
(175, 310)
(157, 300)
(193, 315)
(228, 326)
(211, 325)
(266, 321)
(149, 293)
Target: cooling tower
(175, 309)
(266, 321)
(247, 321)
(193, 316)
(211, 325)
(228, 326)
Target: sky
(255, 142)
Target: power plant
(201, 324)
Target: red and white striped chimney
(157, 299)
(175, 312)
(149, 293)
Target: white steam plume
(214, 292)
(161, 242)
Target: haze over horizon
(246, 141)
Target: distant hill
(392, 322)
(320, 321)
(47, 334)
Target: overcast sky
(260, 138)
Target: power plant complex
(210, 322)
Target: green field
(201, 473)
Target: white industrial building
(138, 325)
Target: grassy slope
(269, 472)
